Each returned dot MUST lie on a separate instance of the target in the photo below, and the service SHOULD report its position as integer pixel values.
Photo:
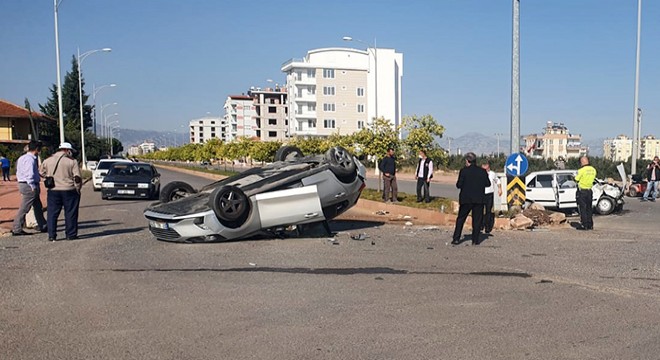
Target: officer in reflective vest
(585, 178)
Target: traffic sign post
(515, 167)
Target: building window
(311, 124)
(360, 124)
(311, 107)
(360, 91)
(212, 129)
(201, 122)
(329, 123)
(272, 109)
(329, 90)
(272, 134)
(329, 107)
(212, 122)
(272, 121)
(311, 73)
(201, 128)
(360, 108)
(212, 135)
(328, 73)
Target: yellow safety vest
(585, 177)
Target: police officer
(585, 178)
(63, 167)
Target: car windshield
(130, 169)
(105, 165)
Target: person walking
(652, 176)
(584, 196)
(424, 173)
(65, 193)
(489, 217)
(472, 180)
(27, 175)
(388, 168)
(5, 164)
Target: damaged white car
(294, 190)
(556, 189)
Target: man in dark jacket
(388, 168)
(472, 180)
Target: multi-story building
(134, 150)
(556, 141)
(206, 128)
(620, 148)
(240, 118)
(340, 90)
(272, 122)
(147, 147)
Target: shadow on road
(346, 225)
(112, 232)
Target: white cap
(66, 146)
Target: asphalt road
(401, 294)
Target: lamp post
(636, 115)
(56, 5)
(449, 139)
(373, 50)
(105, 121)
(102, 111)
(112, 150)
(82, 57)
(94, 91)
(498, 143)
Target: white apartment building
(240, 118)
(340, 90)
(147, 147)
(206, 128)
(620, 148)
(556, 141)
(134, 150)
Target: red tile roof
(240, 97)
(9, 110)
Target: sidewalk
(10, 200)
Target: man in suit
(472, 180)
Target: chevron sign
(515, 190)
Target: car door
(299, 205)
(566, 190)
(540, 190)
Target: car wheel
(175, 190)
(632, 192)
(288, 153)
(341, 164)
(230, 206)
(605, 205)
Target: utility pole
(635, 140)
(515, 80)
(498, 143)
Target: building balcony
(307, 98)
(305, 115)
(307, 131)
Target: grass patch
(410, 200)
(204, 169)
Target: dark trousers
(70, 201)
(5, 173)
(389, 183)
(585, 207)
(477, 215)
(423, 185)
(489, 217)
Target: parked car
(132, 180)
(294, 190)
(91, 165)
(556, 189)
(638, 186)
(101, 169)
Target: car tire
(175, 190)
(341, 164)
(605, 205)
(632, 192)
(288, 153)
(156, 194)
(230, 205)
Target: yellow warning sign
(515, 190)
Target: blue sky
(178, 60)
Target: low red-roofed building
(15, 125)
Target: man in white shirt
(489, 218)
(424, 173)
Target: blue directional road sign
(516, 165)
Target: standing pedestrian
(27, 175)
(424, 173)
(585, 178)
(489, 217)
(64, 169)
(653, 176)
(4, 162)
(388, 168)
(472, 180)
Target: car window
(566, 181)
(541, 181)
(129, 169)
(105, 165)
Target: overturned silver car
(294, 190)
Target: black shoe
(73, 237)
(19, 233)
(52, 239)
(419, 201)
(456, 242)
(475, 243)
(581, 228)
(44, 229)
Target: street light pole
(96, 90)
(82, 123)
(515, 80)
(498, 143)
(105, 121)
(56, 5)
(102, 112)
(635, 140)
